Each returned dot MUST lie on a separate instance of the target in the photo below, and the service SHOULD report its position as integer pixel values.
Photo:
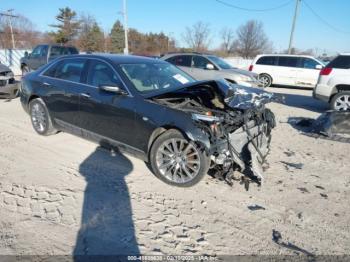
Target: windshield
(155, 76)
(220, 62)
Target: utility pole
(293, 26)
(126, 49)
(10, 16)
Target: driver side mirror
(26, 54)
(319, 67)
(113, 89)
(210, 67)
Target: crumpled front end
(236, 122)
(245, 148)
(9, 87)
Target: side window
(200, 62)
(266, 60)
(181, 60)
(101, 74)
(55, 51)
(68, 69)
(39, 51)
(288, 61)
(308, 63)
(73, 50)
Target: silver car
(9, 87)
(205, 66)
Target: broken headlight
(205, 118)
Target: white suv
(288, 70)
(334, 83)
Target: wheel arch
(196, 135)
(337, 89)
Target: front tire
(177, 161)
(265, 80)
(40, 117)
(341, 101)
(25, 70)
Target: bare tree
(24, 32)
(227, 38)
(251, 39)
(197, 36)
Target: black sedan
(154, 111)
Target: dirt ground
(64, 195)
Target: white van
(288, 70)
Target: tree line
(83, 31)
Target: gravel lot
(63, 195)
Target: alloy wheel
(38, 117)
(178, 160)
(342, 103)
(264, 80)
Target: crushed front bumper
(249, 147)
(9, 88)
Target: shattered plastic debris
(334, 125)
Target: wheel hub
(178, 160)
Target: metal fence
(11, 58)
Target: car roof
(346, 54)
(309, 56)
(118, 59)
(185, 53)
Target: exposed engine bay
(237, 122)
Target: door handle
(87, 95)
(46, 84)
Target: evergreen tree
(68, 26)
(117, 38)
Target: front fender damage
(233, 126)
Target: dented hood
(234, 96)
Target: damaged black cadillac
(182, 128)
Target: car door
(62, 87)
(199, 68)
(286, 71)
(184, 62)
(38, 57)
(308, 72)
(106, 114)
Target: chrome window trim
(84, 84)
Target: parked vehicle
(204, 67)
(334, 83)
(9, 87)
(287, 70)
(42, 54)
(153, 110)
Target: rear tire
(341, 101)
(178, 161)
(265, 80)
(40, 117)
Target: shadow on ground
(302, 101)
(107, 226)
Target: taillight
(251, 68)
(326, 71)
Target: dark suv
(155, 111)
(42, 54)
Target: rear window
(266, 60)
(341, 62)
(288, 61)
